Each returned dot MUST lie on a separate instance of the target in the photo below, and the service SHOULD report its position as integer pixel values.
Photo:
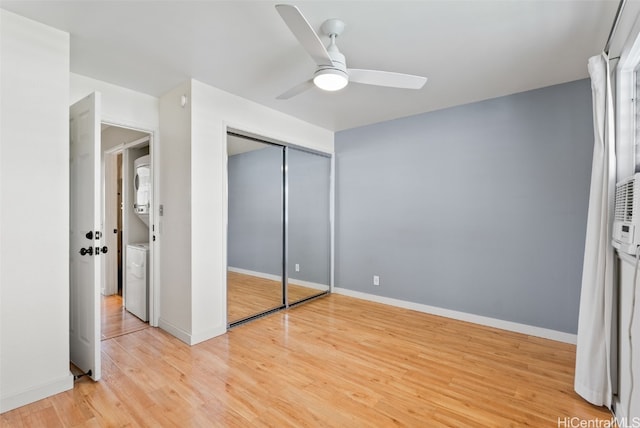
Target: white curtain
(593, 354)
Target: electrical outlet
(297, 267)
(376, 280)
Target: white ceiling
(469, 50)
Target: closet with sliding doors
(279, 228)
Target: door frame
(154, 254)
(109, 178)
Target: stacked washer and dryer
(137, 266)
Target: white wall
(120, 106)
(34, 211)
(211, 112)
(175, 225)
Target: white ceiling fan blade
(386, 78)
(298, 89)
(301, 28)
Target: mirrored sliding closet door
(308, 224)
(255, 228)
(279, 233)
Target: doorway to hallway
(127, 202)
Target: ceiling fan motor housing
(333, 28)
(339, 61)
(335, 75)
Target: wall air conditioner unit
(626, 221)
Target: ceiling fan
(332, 73)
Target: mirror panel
(255, 228)
(309, 233)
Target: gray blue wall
(309, 227)
(255, 211)
(480, 208)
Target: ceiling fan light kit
(329, 79)
(332, 73)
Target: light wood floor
(115, 320)
(334, 362)
(250, 295)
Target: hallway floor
(115, 319)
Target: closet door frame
(285, 227)
(285, 220)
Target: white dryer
(142, 187)
(136, 292)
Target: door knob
(91, 235)
(85, 251)
(104, 249)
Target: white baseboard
(254, 273)
(56, 386)
(175, 331)
(545, 333)
(201, 336)
(308, 284)
(191, 338)
(271, 277)
(530, 330)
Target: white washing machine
(136, 291)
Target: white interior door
(85, 250)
